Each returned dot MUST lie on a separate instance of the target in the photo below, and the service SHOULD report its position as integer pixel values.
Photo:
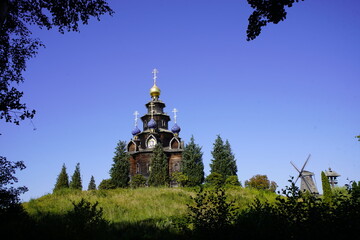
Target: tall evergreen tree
(223, 161)
(327, 193)
(192, 164)
(232, 168)
(62, 179)
(159, 174)
(76, 182)
(120, 170)
(92, 185)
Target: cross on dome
(175, 111)
(136, 114)
(155, 72)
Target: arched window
(174, 144)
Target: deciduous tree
(17, 45)
(9, 195)
(269, 11)
(261, 182)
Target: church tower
(155, 130)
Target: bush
(215, 179)
(106, 184)
(180, 178)
(211, 212)
(138, 180)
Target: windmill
(307, 180)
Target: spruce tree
(327, 193)
(62, 179)
(192, 164)
(232, 168)
(159, 174)
(76, 182)
(223, 161)
(92, 185)
(120, 170)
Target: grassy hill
(136, 205)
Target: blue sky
(292, 91)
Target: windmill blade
(296, 170)
(294, 166)
(302, 169)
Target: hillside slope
(133, 205)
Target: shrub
(215, 179)
(211, 212)
(180, 178)
(138, 180)
(106, 184)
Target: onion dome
(155, 91)
(152, 124)
(175, 128)
(135, 131)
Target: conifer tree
(232, 168)
(159, 174)
(62, 179)
(327, 193)
(120, 170)
(192, 164)
(223, 161)
(92, 185)
(76, 182)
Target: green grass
(136, 205)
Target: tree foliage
(92, 185)
(17, 45)
(180, 178)
(137, 181)
(9, 195)
(76, 182)
(106, 184)
(327, 193)
(269, 11)
(233, 181)
(159, 173)
(121, 167)
(192, 164)
(261, 182)
(223, 161)
(215, 179)
(210, 211)
(62, 179)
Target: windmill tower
(307, 180)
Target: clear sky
(293, 91)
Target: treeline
(223, 170)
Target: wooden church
(155, 130)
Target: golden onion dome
(155, 91)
